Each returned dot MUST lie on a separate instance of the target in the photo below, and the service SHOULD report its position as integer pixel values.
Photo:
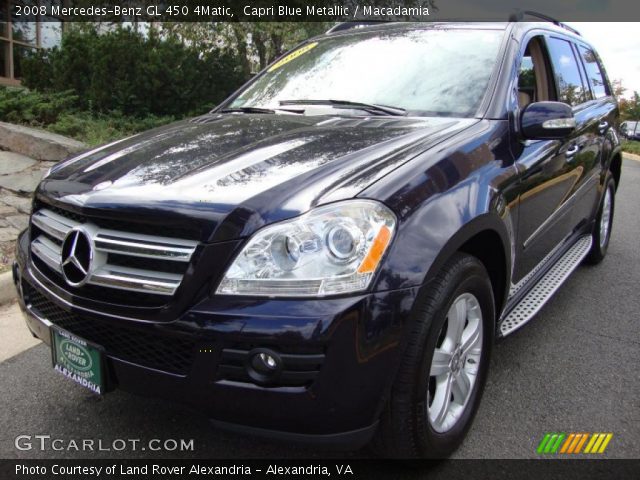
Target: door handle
(572, 151)
(603, 126)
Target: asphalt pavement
(574, 368)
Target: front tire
(604, 221)
(444, 368)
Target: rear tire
(440, 381)
(604, 221)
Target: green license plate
(77, 359)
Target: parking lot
(574, 368)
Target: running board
(540, 294)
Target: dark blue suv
(330, 254)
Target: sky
(618, 44)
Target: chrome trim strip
(136, 280)
(149, 247)
(61, 300)
(48, 252)
(55, 225)
(44, 321)
(58, 218)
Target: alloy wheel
(455, 363)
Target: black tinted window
(565, 67)
(596, 78)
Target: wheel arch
(486, 238)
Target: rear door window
(567, 74)
(596, 78)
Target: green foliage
(100, 86)
(630, 107)
(100, 129)
(58, 112)
(18, 105)
(122, 70)
(255, 44)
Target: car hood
(233, 173)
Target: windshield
(426, 72)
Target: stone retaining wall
(25, 156)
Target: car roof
(386, 26)
(518, 29)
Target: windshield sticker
(292, 56)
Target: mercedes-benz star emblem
(77, 257)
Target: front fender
(442, 226)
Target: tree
(629, 107)
(618, 89)
(256, 43)
(133, 73)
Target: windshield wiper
(369, 107)
(247, 110)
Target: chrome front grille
(150, 254)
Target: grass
(631, 146)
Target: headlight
(330, 250)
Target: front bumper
(357, 337)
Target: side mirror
(547, 121)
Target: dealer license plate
(78, 359)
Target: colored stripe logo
(573, 443)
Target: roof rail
(349, 25)
(519, 15)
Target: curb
(7, 289)
(631, 156)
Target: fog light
(267, 361)
(264, 365)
